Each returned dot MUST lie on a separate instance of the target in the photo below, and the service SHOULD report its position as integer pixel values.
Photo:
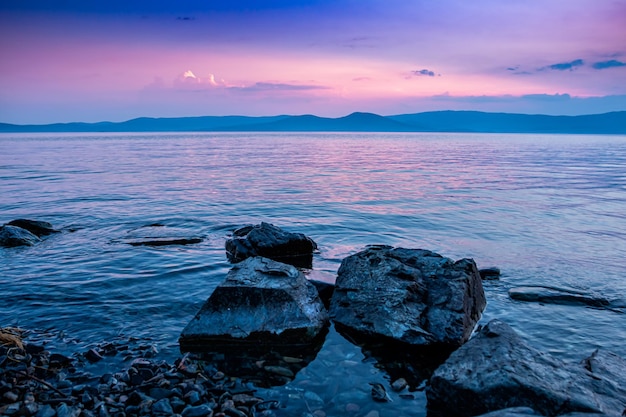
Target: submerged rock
(413, 296)
(271, 242)
(12, 236)
(497, 369)
(553, 295)
(37, 227)
(489, 274)
(261, 301)
(166, 242)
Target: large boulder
(272, 242)
(12, 236)
(497, 370)
(261, 301)
(37, 227)
(413, 296)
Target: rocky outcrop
(12, 236)
(261, 301)
(412, 296)
(37, 227)
(271, 242)
(553, 295)
(497, 369)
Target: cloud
(608, 64)
(423, 72)
(189, 74)
(564, 66)
(266, 86)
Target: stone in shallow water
(37, 227)
(13, 236)
(497, 369)
(553, 295)
(272, 242)
(260, 301)
(412, 296)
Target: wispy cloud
(421, 73)
(265, 86)
(564, 66)
(608, 64)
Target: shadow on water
(414, 364)
(264, 364)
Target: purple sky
(96, 60)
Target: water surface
(545, 209)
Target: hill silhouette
(437, 121)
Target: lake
(545, 209)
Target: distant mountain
(438, 121)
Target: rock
(12, 236)
(497, 369)
(197, 411)
(162, 407)
(166, 242)
(553, 295)
(36, 227)
(491, 273)
(413, 296)
(512, 412)
(271, 242)
(260, 301)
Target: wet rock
(271, 242)
(497, 369)
(260, 301)
(413, 296)
(162, 407)
(36, 227)
(166, 242)
(512, 412)
(489, 274)
(157, 234)
(13, 236)
(553, 295)
(197, 411)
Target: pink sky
(116, 62)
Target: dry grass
(11, 337)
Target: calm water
(546, 209)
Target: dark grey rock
(166, 242)
(512, 412)
(45, 411)
(553, 295)
(162, 407)
(413, 296)
(197, 411)
(12, 236)
(260, 300)
(489, 274)
(497, 369)
(271, 242)
(36, 227)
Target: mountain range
(436, 121)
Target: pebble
(399, 384)
(34, 385)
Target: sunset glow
(114, 61)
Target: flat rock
(12, 236)
(271, 242)
(413, 296)
(260, 301)
(497, 370)
(37, 227)
(553, 295)
(489, 274)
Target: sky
(89, 61)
